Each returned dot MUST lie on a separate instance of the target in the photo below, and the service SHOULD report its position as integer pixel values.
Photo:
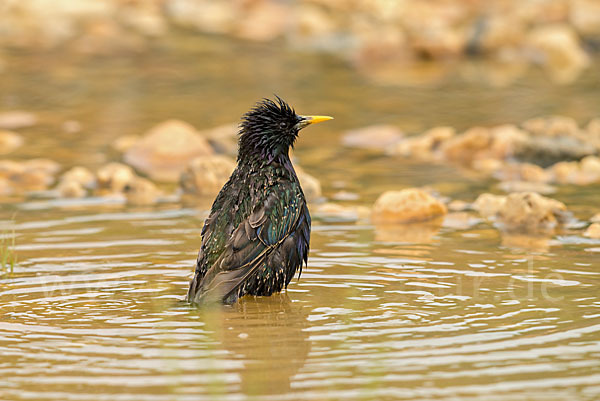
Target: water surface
(93, 309)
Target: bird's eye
(281, 125)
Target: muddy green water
(93, 309)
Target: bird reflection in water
(268, 335)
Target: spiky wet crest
(268, 130)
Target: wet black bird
(258, 232)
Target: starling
(258, 232)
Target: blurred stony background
(374, 35)
(155, 130)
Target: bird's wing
(270, 223)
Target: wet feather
(258, 232)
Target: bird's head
(271, 128)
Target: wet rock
(557, 48)
(458, 205)
(310, 185)
(146, 18)
(165, 151)
(523, 172)
(423, 146)
(9, 141)
(119, 180)
(543, 141)
(526, 186)
(546, 12)
(460, 220)
(114, 180)
(10, 167)
(378, 137)
(71, 126)
(114, 177)
(30, 175)
(406, 206)
(223, 139)
(593, 128)
(585, 172)
(552, 147)
(592, 133)
(530, 212)
(590, 165)
(524, 212)
(554, 139)
(479, 143)
(435, 136)
(593, 231)
(46, 166)
(464, 148)
(584, 16)
(262, 21)
(380, 48)
(71, 189)
(80, 175)
(488, 205)
(207, 174)
(106, 36)
(401, 31)
(140, 191)
(313, 22)
(533, 173)
(552, 126)
(498, 31)
(507, 140)
(17, 119)
(75, 182)
(435, 29)
(5, 187)
(439, 43)
(25, 26)
(123, 143)
(345, 196)
(488, 166)
(336, 212)
(208, 16)
(564, 172)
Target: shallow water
(93, 309)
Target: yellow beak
(307, 120)
(317, 119)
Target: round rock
(206, 175)
(310, 185)
(378, 137)
(9, 141)
(593, 231)
(164, 152)
(530, 212)
(406, 206)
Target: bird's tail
(191, 294)
(222, 286)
